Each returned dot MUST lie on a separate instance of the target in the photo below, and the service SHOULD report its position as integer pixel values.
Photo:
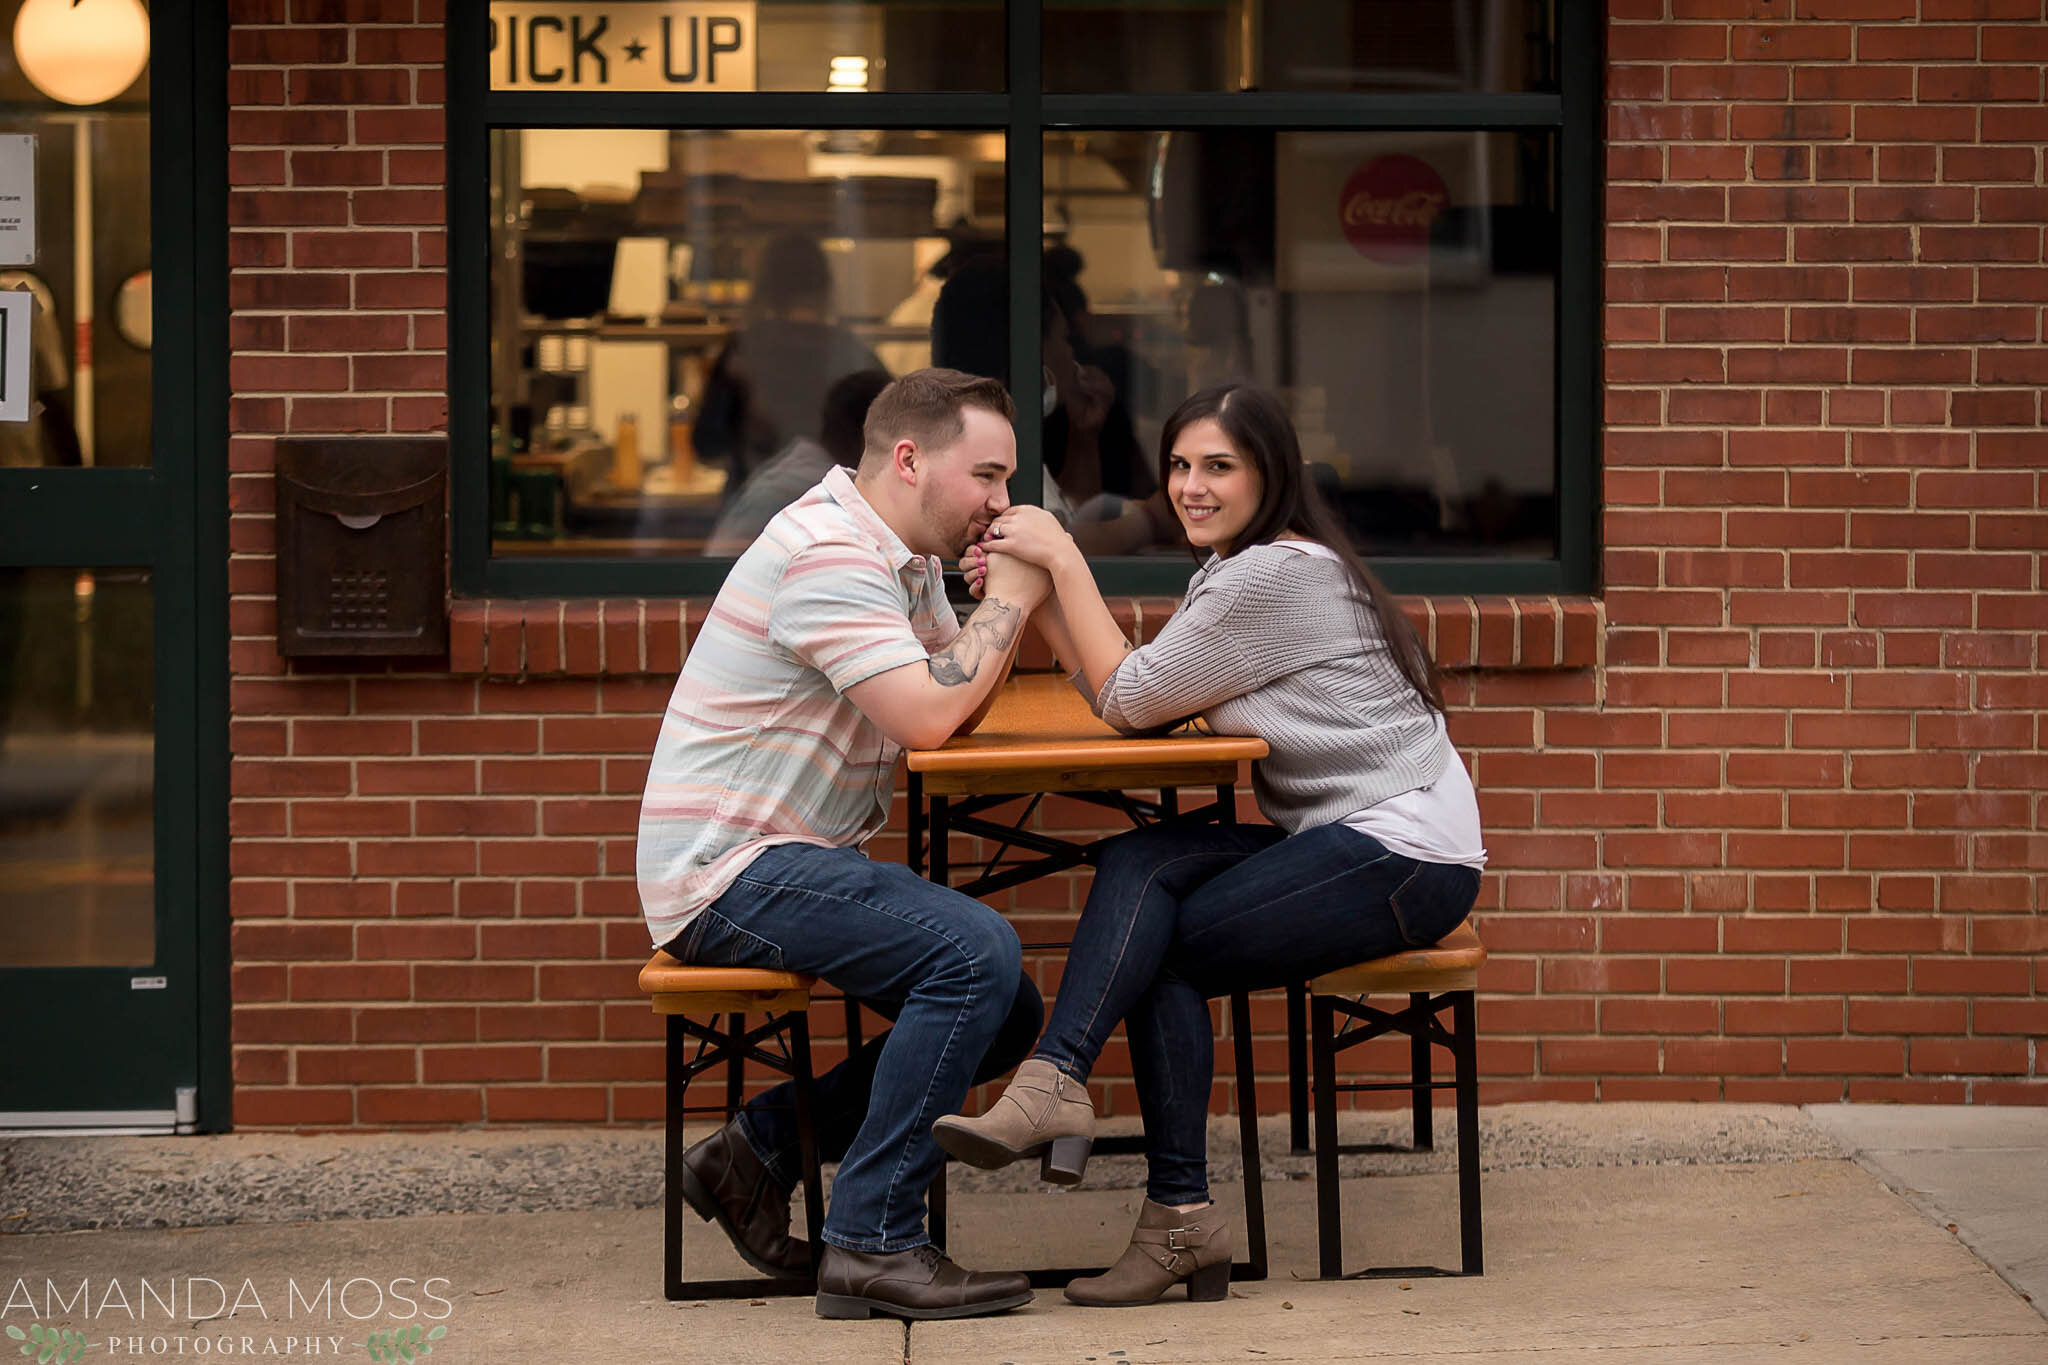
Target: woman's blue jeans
(1179, 916)
(947, 969)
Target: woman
(1374, 845)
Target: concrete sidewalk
(1980, 1173)
(1643, 1232)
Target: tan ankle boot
(1166, 1247)
(1043, 1113)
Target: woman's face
(1214, 489)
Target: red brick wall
(1820, 765)
(1782, 844)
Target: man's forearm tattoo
(987, 635)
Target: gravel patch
(73, 1184)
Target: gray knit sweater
(1285, 646)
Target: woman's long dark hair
(1260, 431)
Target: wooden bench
(677, 992)
(1444, 976)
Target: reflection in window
(1398, 289)
(1096, 478)
(77, 768)
(687, 325)
(1308, 45)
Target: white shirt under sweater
(1438, 823)
(1279, 641)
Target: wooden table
(1041, 738)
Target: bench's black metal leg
(735, 1063)
(1248, 1138)
(1329, 1214)
(852, 1026)
(1418, 1058)
(676, 1051)
(935, 1205)
(1465, 1036)
(679, 1066)
(807, 1133)
(1297, 1067)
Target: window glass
(687, 326)
(83, 131)
(77, 768)
(1308, 45)
(707, 46)
(1397, 289)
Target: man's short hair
(925, 406)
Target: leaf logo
(49, 1344)
(403, 1343)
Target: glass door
(106, 812)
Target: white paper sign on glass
(17, 199)
(537, 45)
(15, 391)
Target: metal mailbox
(362, 552)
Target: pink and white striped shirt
(759, 745)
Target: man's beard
(954, 536)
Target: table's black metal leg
(807, 1134)
(914, 855)
(1169, 801)
(941, 861)
(1297, 1067)
(1329, 1210)
(935, 1205)
(672, 1191)
(1247, 1087)
(1248, 1140)
(1419, 1072)
(917, 829)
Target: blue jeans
(947, 969)
(1178, 916)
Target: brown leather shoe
(725, 1183)
(918, 1283)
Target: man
(830, 648)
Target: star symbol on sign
(636, 50)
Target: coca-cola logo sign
(1388, 207)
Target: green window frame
(1025, 112)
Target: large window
(693, 239)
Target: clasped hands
(1016, 559)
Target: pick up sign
(684, 47)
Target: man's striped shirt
(759, 745)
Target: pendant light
(82, 51)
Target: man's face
(966, 486)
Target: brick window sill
(640, 637)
